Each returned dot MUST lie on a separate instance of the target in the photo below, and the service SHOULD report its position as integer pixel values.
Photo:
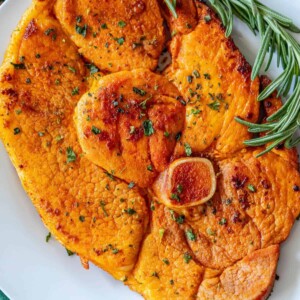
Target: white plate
(31, 269)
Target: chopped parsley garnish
(214, 105)
(48, 31)
(190, 235)
(110, 175)
(73, 70)
(175, 196)
(48, 237)
(190, 79)
(152, 206)
(251, 188)
(70, 253)
(17, 130)
(139, 91)
(188, 149)
(148, 128)
(166, 134)
(161, 232)
(178, 136)
(82, 30)
(179, 188)
(166, 261)
(120, 40)
(78, 19)
(95, 130)
(150, 168)
(155, 274)
(180, 219)
(81, 218)
(71, 155)
(102, 204)
(130, 211)
(18, 66)
(196, 74)
(18, 111)
(93, 69)
(57, 81)
(104, 26)
(131, 185)
(75, 91)
(172, 282)
(207, 18)
(195, 111)
(115, 251)
(187, 257)
(223, 221)
(59, 138)
(121, 24)
(209, 231)
(38, 55)
(207, 76)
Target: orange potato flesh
(187, 182)
(114, 35)
(128, 122)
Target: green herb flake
(175, 196)
(188, 149)
(130, 211)
(139, 91)
(166, 134)
(20, 66)
(71, 155)
(187, 257)
(180, 219)
(115, 251)
(166, 261)
(214, 105)
(81, 218)
(93, 69)
(82, 30)
(104, 26)
(148, 128)
(75, 91)
(190, 235)
(48, 237)
(131, 185)
(70, 253)
(196, 74)
(121, 24)
(95, 130)
(73, 70)
(223, 221)
(251, 188)
(161, 232)
(150, 168)
(110, 175)
(120, 40)
(102, 205)
(209, 231)
(17, 131)
(207, 18)
(152, 206)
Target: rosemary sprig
(275, 32)
(171, 4)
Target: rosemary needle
(275, 32)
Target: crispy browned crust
(226, 248)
